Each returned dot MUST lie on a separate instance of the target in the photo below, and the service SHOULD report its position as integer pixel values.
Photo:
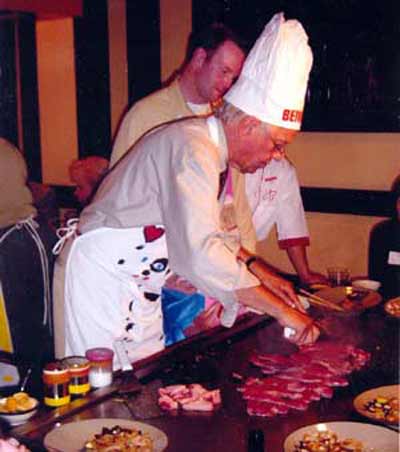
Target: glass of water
(338, 276)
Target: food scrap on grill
(192, 397)
(327, 442)
(120, 439)
(294, 381)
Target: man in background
(213, 62)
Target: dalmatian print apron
(113, 290)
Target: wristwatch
(250, 260)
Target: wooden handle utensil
(319, 301)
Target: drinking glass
(338, 276)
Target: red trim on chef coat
(284, 244)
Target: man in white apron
(169, 186)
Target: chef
(158, 212)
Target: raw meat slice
(298, 379)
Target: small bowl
(369, 284)
(19, 417)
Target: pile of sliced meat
(193, 397)
(294, 381)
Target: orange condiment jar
(56, 380)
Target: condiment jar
(78, 367)
(56, 381)
(101, 366)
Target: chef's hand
(313, 278)
(302, 326)
(278, 285)
(270, 279)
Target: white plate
(367, 396)
(369, 284)
(374, 438)
(71, 437)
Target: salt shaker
(101, 366)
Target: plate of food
(342, 436)
(379, 404)
(105, 435)
(392, 307)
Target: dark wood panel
(18, 70)
(92, 77)
(8, 88)
(345, 201)
(29, 96)
(143, 40)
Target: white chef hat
(273, 81)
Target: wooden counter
(210, 359)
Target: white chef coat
(274, 197)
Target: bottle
(255, 441)
(101, 366)
(56, 380)
(78, 367)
